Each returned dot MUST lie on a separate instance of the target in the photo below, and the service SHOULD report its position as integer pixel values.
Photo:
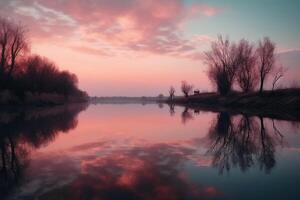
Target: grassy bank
(283, 103)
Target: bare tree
(19, 46)
(247, 75)
(266, 59)
(278, 75)
(172, 92)
(13, 43)
(186, 88)
(222, 62)
(5, 32)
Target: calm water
(134, 151)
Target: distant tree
(13, 44)
(172, 92)
(186, 88)
(266, 59)
(247, 75)
(160, 96)
(222, 62)
(278, 75)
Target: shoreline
(280, 104)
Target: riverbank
(281, 104)
(9, 98)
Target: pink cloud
(203, 38)
(206, 10)
(91, 51)
(140, 25)
(287, 50)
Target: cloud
(91, 51)
(203, 39)
(288, 50)
(139, 25)
(205, 10)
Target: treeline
(31, 78)
(240, 65)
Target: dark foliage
(240, 63)
(222, 61)
(186, 88)
(247, 73)
(172, 92)
(21, 73)
(266, 60)
(40, 75)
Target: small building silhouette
(196, 92)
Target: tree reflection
(243, 142)
(23, 131)
(186, 115)
(14, 158)
(171, 109)
(266, 157)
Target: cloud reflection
(147, 172)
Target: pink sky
(121, 47)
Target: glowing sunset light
(149, 99)
(141, 47)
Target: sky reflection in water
(146, 152)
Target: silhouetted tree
(40, 75)
(68, 82)
(266, 59)
(171, 92)
(247, 75)
(222, 62)
(278, 75)
(21, 75)
(186, 88)
(13, 43)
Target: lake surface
(134, 151)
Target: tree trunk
(261, 85)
